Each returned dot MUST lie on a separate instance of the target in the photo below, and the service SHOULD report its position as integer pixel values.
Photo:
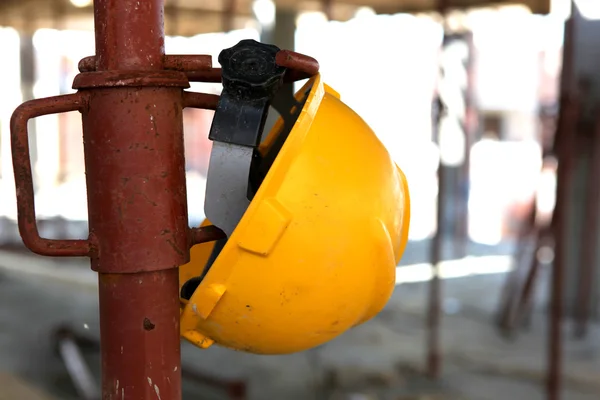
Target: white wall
(385, 68)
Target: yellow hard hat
(314, 252)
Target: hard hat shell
(316, 251)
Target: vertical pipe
(434, 299)
(590, 239)
(565, 137)
(140, 343)
(133, 144)
(563, 146)
(434, 302)
(432, 368)
(469, 127)
(129, 35)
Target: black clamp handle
(250, 77)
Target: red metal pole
(129, 35)
(435, 287)
(133, 143)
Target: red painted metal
(125, 79)
(134, 158)
(140, 341)
(133, 144)
(299, 66)
(129, 35)
(24, 179)
(178, 62)
(200, 100)
(297, 63)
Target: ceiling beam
(536, 6)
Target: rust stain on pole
(129, 35)
(434, 300)
(211, 75)
(140, 342)
(133, 143)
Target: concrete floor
(380, 360)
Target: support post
(569, 116)
(133, 144)
(434, 298)
(434, 302)
(589, 233)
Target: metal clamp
(251, 76)
(254, 77)
(24, 180)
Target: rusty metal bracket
(299, 67)
(24, 178)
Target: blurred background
(465, 95)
